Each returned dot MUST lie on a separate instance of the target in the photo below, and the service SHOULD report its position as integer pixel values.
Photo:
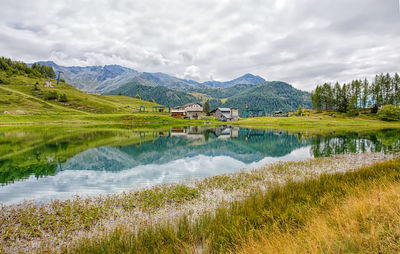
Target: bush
(353, 112)
(299, 111)
(52, 95)
(374, 109)
(4, 81)
(63, 98)
(389, 113)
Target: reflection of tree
(45, 150)
(206, 135)
(380, 141)
(11, 172)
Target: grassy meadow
(22, 101)
(321, 120)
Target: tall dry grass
(366, 222)
(332, 214)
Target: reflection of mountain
(40, 153)
(245, 145)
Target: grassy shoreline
(68, 225)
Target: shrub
(374, 109)
(389, 113)
(35, 87)
(299, 111)
(138, 96)
(4, 81)
(52, 95)
(63, 98)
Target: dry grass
(368, 222)
(109, 222)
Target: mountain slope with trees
(247, 90)
(160, 94)
(270, 96)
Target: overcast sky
(303, 42)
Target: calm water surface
(45, 165)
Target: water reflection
(45, 165)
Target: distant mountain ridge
(247, 79)
(103, 79)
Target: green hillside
(162, 95)
(26, 98)
(270, 96)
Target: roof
(177, 111)
(190, 104)
(194, 110)
(224, 109)
(226, 115)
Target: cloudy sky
(303, 42)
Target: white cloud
(192, 72)
(303, 42)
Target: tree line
(358, 94)
(16, 67)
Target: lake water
(58, 164)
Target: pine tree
(396, 88)
(316, 98)
(299, 111)
(206, 108)
(365, 93)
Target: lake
(52, 163)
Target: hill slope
(271, 96)
(160, 94)
(22, 96)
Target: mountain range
(247, 90)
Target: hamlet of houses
(194, 111)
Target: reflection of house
(227, 114)
(190, 111)
(191, 132)
(226, 132)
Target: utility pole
(58, 79)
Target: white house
(191, 110)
